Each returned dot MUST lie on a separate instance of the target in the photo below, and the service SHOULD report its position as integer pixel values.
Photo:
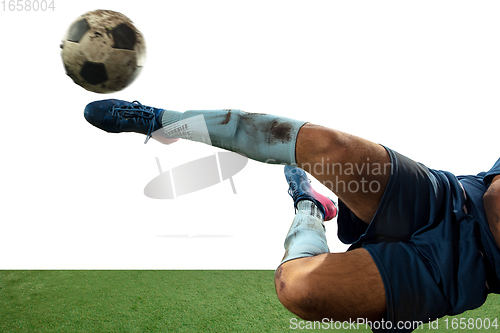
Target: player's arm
(491, 200)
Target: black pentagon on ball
(124, 37)
(94, 72)
(77, 30)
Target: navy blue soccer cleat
(301, 189)
(115, 116)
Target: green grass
(153, 301)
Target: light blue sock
(306, 237)
(262, 137)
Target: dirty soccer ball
(102, 51)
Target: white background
(421, 77)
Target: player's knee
(297, 292)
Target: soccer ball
(103, 51)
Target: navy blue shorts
(426, 247)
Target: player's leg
(262, 137)
(337, 286)
(355, 169)
(316, 284)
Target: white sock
(306, 237)
(262, 137)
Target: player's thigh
(355, 169)
(338, 286)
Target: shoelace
(293, 187)
(139, 113)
